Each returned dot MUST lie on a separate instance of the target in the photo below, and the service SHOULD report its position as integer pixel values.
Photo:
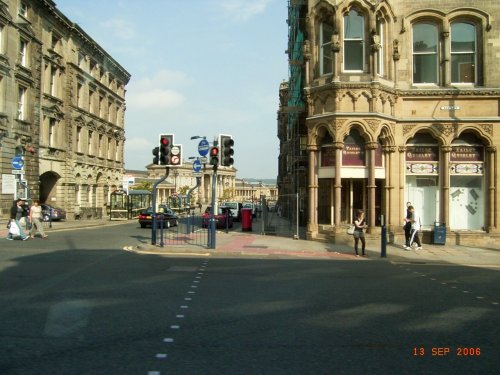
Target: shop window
(466, 202)
(354, 41)
(425, 53)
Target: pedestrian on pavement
(407, 225)
(359, 226)
(415, 228)
(35, 218)
(17, 211)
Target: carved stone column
(312, 225)
(395, 58)
(388, 204)
(339, 146)
(370, 147)
(375, 50)
(491, 205)
(446, 64)
(445, 185)
(401, 174)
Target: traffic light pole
(211, 232)
(154, 222)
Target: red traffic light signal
(166, 141)
(214, 156)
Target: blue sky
(199, 67)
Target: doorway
(354, 197)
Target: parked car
(164, 213)
(235, 210)
(222, 217)
(51, 213)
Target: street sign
(203, 147)
(175, 151)
(17, 171)
(17, 162)
(197, 166)
(204, 160)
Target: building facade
(401, 104)
(181, 179)
(62, 106)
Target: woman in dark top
(17, 211)
(359, 226)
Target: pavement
(251, 244)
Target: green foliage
(143, 185)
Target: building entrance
(354, 197)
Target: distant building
(62, 104)
(393, 101)
(181, 179)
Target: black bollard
(383, 238)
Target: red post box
(246, 219)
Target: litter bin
(246, 219)
(439, 234)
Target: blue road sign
(17, 162)
(203, 147)
(197, 166)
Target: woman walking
(35, 218)
(359, 226)
(17, 211)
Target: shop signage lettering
(422, 153)
(353, 155)
(466, 153)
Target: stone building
(400, 101)
(183, 178)
(62, 104)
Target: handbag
(350, 230)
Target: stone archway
(48, 186)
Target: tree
(143, 185)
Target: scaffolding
(296, 135)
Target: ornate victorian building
(400, 101)
(62, 104)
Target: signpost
(203, 147)
(17, 162)
(197, 166)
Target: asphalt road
(77, 303)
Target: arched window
(463, 52)
(354, 45)
(325, 51)
(381, 51)
(425, 53)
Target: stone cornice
(420, 92)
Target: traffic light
(214, 156)
(226, 149)
(156, 154)
(19, 151)
(166, 142)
